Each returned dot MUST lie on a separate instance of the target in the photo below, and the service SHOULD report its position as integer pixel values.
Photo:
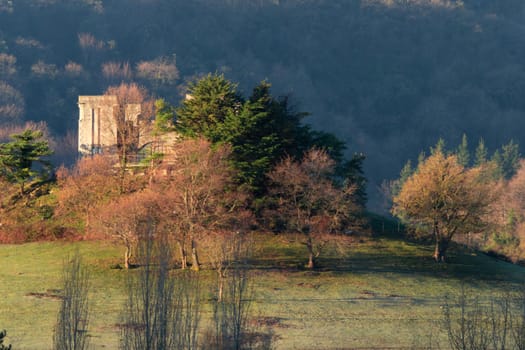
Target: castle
(107, 127)
(98, 123)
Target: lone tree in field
(18, 158)
(310, 203)
(442, 198)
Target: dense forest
(389, 77)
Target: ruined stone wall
(97, 126)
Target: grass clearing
(382, 293)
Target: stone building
(100, 125)
(104, 126)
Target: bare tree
(162, 310)
(232, 306)
(160, 71)
(518, 321)
(134, 123)
(7, 65)
(12, 104)
(125, 217)
(114, 71)
(496, 322)
(225, 250)
(73, 317)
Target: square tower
(97, 124)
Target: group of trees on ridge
(476, 201)
(240, 162)
(251, 162)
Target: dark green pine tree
(18, 158)
(164, 117)
(496, 159)
(405, 173)
(439, 147)
(260, 135)
(481, 153)
(353, 173)
(463, 153)
(509, 162)
(208, 102)
(254, 140)
(421, 158)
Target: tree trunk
(127, 256)
(440, 250)
(311, 256)
(221, 285)
(311, 263)
(183, 257)
(194, 257)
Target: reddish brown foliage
(129, 218)
(89, 184)
(198, 195)
(308, 202)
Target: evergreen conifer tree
(463, 153)
(207, 104)
(439, 147)
(509, 160)
(481, 153)
(18, 157)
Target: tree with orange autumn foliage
(130, 217)
(91, 183)
(508, 237)
(443, 198)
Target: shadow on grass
(399, 257)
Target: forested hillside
(388, 76)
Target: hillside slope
(383, 293)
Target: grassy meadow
(383, 293)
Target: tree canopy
(20, 157)
(309, 203)
(207, 103)
(442, 198)
(261, 130)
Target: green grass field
(383, 293)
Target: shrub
(2, 338)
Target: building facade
(103, 124)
